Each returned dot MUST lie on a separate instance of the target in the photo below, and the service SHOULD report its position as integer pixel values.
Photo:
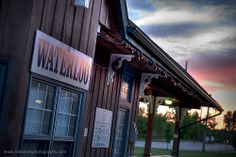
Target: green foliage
(230, 120)
(193, 132)
(161, 127)
(168, 132)
(142, 126)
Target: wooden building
(71, 78)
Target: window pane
(29, 121)
(33, 93)
(72, 125)
(39, 108)
(126, 88)
(66, 113)
(62, 149)
(46, 122)
(120, 135)
(34, 148)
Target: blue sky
(200, 31)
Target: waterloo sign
(56, 60)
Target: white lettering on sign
(58, 61)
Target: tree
(142, 123)
(141, 111)
(168, 134)
(211, 123)
(193, 132)
(234, 121)
(159, 125)
(230, 120)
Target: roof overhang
(132, 39)
(168, 63)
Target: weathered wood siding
(19, 20)
(15, 17)
(75, 26)
(106, 97)
(108, 14)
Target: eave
(137, 38)
(168, 62)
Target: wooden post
(151, 114)
(175, 149)
(148, 140)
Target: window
(123, 117)
(126, 87)
(51, 121)
(4, 82)
(121, 133)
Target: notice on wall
(102, 128)
(124, 90)
(58, 61)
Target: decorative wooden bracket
(115, 63)
(146, 80)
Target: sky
(202, 32)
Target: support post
(175, 149)
(148, 140)
(151, 115)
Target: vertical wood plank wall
(106, 97)
(76, 27)
(15, 17)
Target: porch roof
(131, 39)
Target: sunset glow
(200, 32)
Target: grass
(139, 153)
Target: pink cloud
(213, 71)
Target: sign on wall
(56, 60)
(102, 128)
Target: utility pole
(204, 133)
(186, 65)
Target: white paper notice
(102, 128)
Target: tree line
(163, 127)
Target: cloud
(226, 97)
(169, 30)
(173, 12)
(202, 32)
(177, 16)
(212, 84)
(140, 5)
(213, 72)
(212, 40)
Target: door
(123, 115)
(121, 133)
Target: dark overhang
(137, 38)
